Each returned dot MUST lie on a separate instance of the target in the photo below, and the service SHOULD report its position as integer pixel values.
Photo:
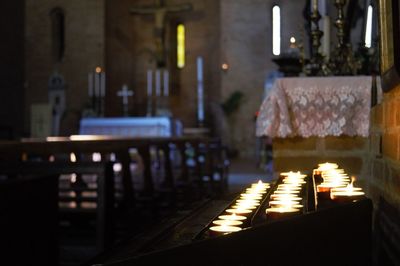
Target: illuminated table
(131, 126)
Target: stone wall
(84, 50)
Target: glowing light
(72, 157)
(180, 37)
(98, 69)
(292, 40)
(276, 30)
(368, 28)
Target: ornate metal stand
(342, 61)
(315, 66)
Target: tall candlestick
(158, 83)
(149, 82)
(90, 84)
(166, 82)
(200, 91)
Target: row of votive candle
(336, 184)
(233, 218)
(286, 199)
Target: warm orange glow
(98, 69)
(227, 222)
(232, 217)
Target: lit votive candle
(286, 192)
(260, 184)
(223, 229)
(244, 206)
(247, 203)
(255, 202)
(285, 203)
(327, 166)
(232, 217)
(227, 222)
(258, 191)
(286, 196)
(281, 212)
(251, 196)
(239, 211)
(346, 194)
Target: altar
(131, 126)
(314, 118)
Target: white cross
(125, 93)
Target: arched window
(57, 33)
(276, 30)
(180, 49)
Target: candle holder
(316, 65)
(342, 61)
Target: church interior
(199, 132)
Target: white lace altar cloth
(316, 106)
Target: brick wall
(351, 153)
(384, 156)
(84, 50)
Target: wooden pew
(104, 211)
(28, 221)
(203, 147)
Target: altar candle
(158, 83)
(96, 84)
(149, 82)
(314, 5)
(326, 38)
(166, 82)
(200, 90)
(102, 84)
(90, 84)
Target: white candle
(314, 5)
(90, 84)
(158, 83)
(166, 82)
(149, 82)
(199, 68)
(326, 39)
(200, 90)
(96, 85)
(102, 84)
